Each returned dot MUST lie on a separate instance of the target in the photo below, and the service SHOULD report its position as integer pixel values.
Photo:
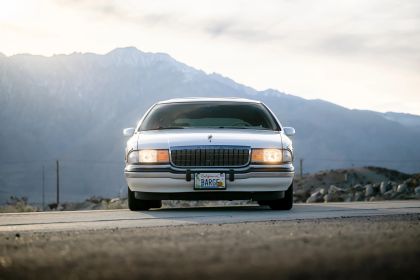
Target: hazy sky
(361, 54)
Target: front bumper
(167, 182)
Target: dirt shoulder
(385, 247)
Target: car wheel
(135, 204)
(286, 203)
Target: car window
(209, 115)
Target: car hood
(165, 139)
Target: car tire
(286, 203)
(135, 204)
(263, 202)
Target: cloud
(109, 9)
(401, 47)
(388, 29)
(405, 44)
(237, 30)
(215, 27)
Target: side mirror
(289, 131)
(128, 131)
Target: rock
(333, 197)
(384, 187)
(358, 187)
(401, 196)
(335, 190)
(348, 197)
(369, 191)
(87, 205)
(359, 196)
(393, 186)
(301, 195)
(402, 188)
(417, 191)
(315, 197)
(115, 200)
(389, 194)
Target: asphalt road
(111, 219)
(361, 241)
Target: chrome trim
(239, 176)
(204, 147)
(226, 169)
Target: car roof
(208, 99)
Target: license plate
(209, 181)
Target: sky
(361, 54)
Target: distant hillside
(408, 120)
(74, 107)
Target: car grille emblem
(209, 137)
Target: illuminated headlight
(148, 156)
(271, 156)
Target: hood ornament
(209, 137)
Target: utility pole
(301, 167)
(43, 188)
(58, 182)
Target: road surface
(108, 219)
(378, 240)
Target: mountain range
(72, 108)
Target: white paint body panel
(249, 182)
(165, 139)
(167, 182)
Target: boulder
(335, 190)
(315, 197)
(333, 197)
(402, 188)
(114, 200)
(358, 188)
(384, 187)
(359, 196)
(369, 191)
(390, 194)
(348, 197)
(393, 186)
(300, 195)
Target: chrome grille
(210, 156)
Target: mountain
(408, 120)
(73, 108)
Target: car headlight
(133, 157)
(148, 156)
(271, 156)
(287, 156)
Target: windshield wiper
(170, 127)
(244, 127)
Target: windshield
(209, 115)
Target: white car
(209, 149)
